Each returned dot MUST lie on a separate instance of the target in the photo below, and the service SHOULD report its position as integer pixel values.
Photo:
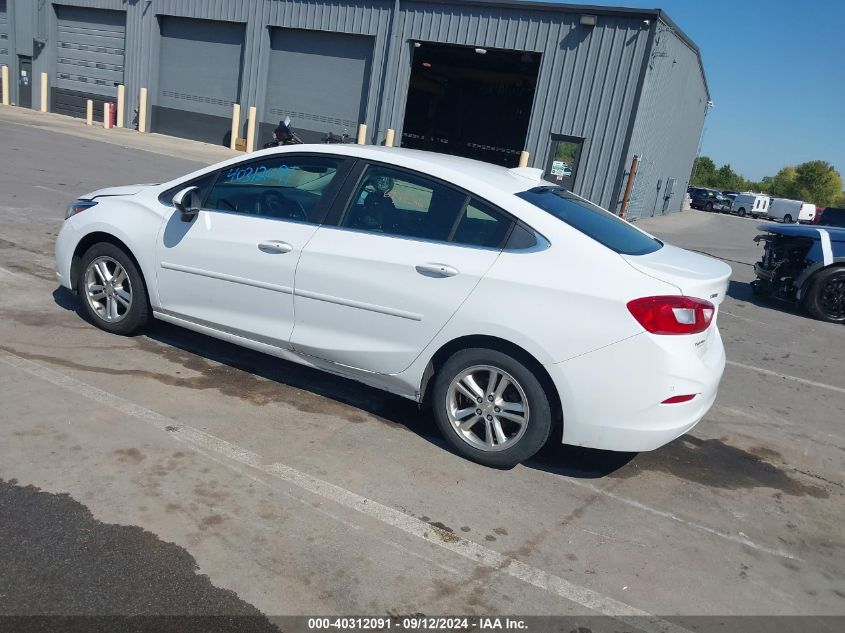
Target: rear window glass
(591, 220)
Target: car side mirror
(187, 202)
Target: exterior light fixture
(417, 44)
(589, 20)
(481, 51)
(426, 64)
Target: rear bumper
(611, 397)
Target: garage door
(199, 78)
(319, 79)
(89, 58)
(4, 42)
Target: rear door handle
(437, 270)
(275, 246)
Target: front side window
(591, 220)
(395, 202)
(280, 187)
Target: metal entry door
(25, 82)
(667, 195)
(563, 159)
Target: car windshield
(593, 221)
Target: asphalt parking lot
(174, 474)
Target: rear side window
(591, 220)
(481, 225)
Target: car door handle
(275, 246)
(437, 270)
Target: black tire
(742, 212)
(708, 207)
(134, 318)
(825, 299)
(537, 428)
(787, 219)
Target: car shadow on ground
(182, 345)
(742, 291)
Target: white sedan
(512, 307)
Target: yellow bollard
(44, 92)
(523, 159)
(250, 130)
(142, 111)
(388, 139)
(362, 134)
(236, 124)
(121, 102)
(5, 85)
(89, 112)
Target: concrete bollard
(250, 130)
(5, 85)
(89, 112)
(523, 159)
(362, 134)
(236, 125)
(388, 139)
(121, 103)
(106, 115)
(44, 92)
(142, 111)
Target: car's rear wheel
(112, 291)
(742, 212)
(491, 408)
(825, 299)
(708, 207)
(787, 219)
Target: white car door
(232, 266)
(373, 290)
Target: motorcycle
(283, 135)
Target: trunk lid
(694, 275)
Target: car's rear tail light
(679, 399)
(79, 206)
(672, 314)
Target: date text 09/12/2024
(417, 623)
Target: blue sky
(776, 71)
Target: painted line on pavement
(739, 537)
(64, 193)
(803, 381)
(471, 550)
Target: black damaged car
(803, 265)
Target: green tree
(703, 172)
(817, 181)
(782, 184)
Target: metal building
(581, 88)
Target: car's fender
(128, 219)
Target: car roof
(454, 168)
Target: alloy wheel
(487, 408)
(832, 298)
(108, 289)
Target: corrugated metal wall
(585, 88)
(587, 83)
(4, 41)
(668, 124)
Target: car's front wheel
(491, 408)
(825, 299)
(112, 291)
(708, 207)
(787, 219)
